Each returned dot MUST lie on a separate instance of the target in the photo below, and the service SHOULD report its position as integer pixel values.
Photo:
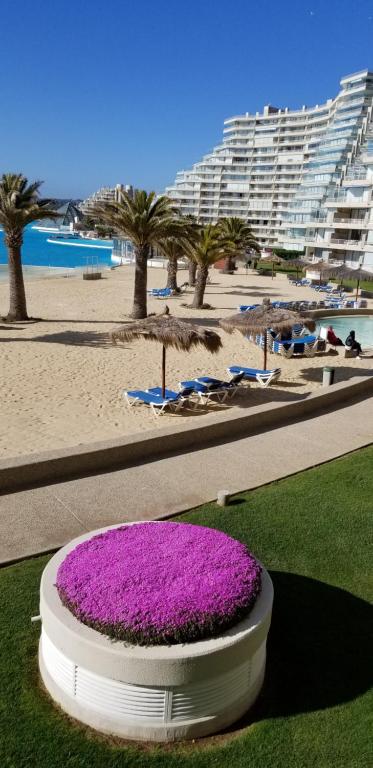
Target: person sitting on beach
(285, 336)
(334, 340)
(352, 344)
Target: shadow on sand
(342, 373)
(70, 338)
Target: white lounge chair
(263, 377)
(153, 398)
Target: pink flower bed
(155, 583)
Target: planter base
(149, 714)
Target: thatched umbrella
(276, 260)
(170, 332)
(299, 264)
(323, 268)
(351, 273)
(260, 319)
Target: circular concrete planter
(159, 693)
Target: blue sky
(96, 92)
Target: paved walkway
(38, 520)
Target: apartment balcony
(357, 172)
(342, 223)
(360, 181)
(343, 199)
(367, 158)
(310, 223)
(346, 244)
(353, 246)
(319, 167)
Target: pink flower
(154, 583)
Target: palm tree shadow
(249, 293)
(319, 649)
(77, 339)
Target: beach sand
(61, 379)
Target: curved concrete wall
(39, 469)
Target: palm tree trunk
(17, 304)
(172, 275)
(139, 309)
(192, 272)
(199, 292)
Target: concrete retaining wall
(326, 312)
(52, 466)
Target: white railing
(346, 197)
(337, 241)
(353, 222)
(357, 176)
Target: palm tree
(173, 248)
(146, 221)
(205, 250)
(238, 239)
(19, 206)
(192, 272)
(194, 230)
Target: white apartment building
(104, 194)
(331, 215)
(276, 168)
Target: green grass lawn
(365, 285)
(312, 532)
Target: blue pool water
(361, 324)
(37, 252)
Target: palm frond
(20, 204)
(143, 218)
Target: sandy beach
(62, 379)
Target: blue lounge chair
(204, 392)
(264, 378)
(153, 398)
(160, 293)
(224, 386)
(306, 345)
(247, 307)
(207, 387)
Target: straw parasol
(170, 332)
(299, 264)
(323, 268)
(260, 319)
(351, 273)
(276, 260)
(273, 259)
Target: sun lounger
(247, 307)
(160, 293)
(208, 388)
(264, 378)
(306, 345)
(217, 385)
(153, 398)
(204, 392)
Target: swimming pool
(38, 252)
(361, 324)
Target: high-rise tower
(277, 169)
